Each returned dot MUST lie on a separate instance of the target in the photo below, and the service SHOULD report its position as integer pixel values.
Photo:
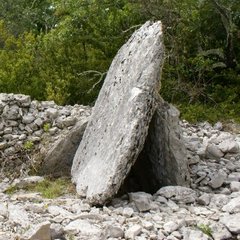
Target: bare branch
(98, 82)
(131, 28)
(95, 73)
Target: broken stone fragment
(38, 232)
(58, 160)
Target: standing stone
(118, 127)
(163, 160)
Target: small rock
(172, 205)
(190, 234)
(28, 119)
(229, 146)
(142, 200)
(22, 183)
(219, 232)
(212, 151)
(127, 212)
(217, 180)
(178, 193)
(218, 126)
(161, 235)
(218, 201)
(40, 231)
(56, 210)
(18, 215)
(147, 225)
(204, 199)
(52, 113)
(235, 176)
(235, 186)
(233, 206)
(133, 231)
(84, 228)
(114, 231)
(232, 222)
(170, 227)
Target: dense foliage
(61, 50)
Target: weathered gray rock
(213, 151)
(18, 215)
(178, 193)
(22, 183)
(114, 231)
(142, 200)
(235, 186)
(229, 146)
(219, 231)
(133, 231)
(163, 160)
(232, 222)
(204, 199)
(58, 160)
(191, 234)
(218, 180)
(37, 232)
(233, 206)
(116, 133)
(170, 226)
(168, 152)
(127, 212)
(24, 100)
(219, 200)
(84, 229)
(11, 112)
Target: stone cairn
(28, 127)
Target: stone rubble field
(208, 209)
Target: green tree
(24, 15)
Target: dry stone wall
(28, 127)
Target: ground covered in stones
(208, 209)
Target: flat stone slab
(118, 127)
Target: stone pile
(204, 211)
(217, 154)
(32, 125)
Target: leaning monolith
(119, 123)
(163, 160)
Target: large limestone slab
(163, 160)
(118, 127)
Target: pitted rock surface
(119, 123)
